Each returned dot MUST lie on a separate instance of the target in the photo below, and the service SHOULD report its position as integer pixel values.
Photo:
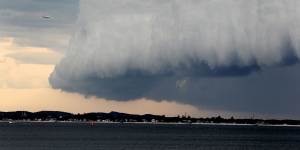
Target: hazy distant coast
(117, 117)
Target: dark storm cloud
(272, 91)
(234, 55)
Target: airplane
(46, 17)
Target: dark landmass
(123, 118)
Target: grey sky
(23, 21)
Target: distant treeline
(123, 117)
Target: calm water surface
(76, 136)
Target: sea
(134, 136)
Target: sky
(203, 58)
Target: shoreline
(150, 123)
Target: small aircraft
(46, 17)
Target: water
(76, 136)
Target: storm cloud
(225, 54)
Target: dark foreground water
(75, 136)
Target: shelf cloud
(191, 51)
